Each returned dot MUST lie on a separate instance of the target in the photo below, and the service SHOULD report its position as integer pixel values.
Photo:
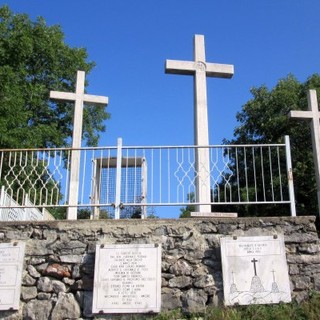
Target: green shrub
(307, 310)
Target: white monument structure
(312, 114)
(79, 97)
(201, 69)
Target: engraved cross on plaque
(312, 114)
(200, 69)
(254, 261)
(273, 276)
(79, 97)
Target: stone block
(38, 248)
(171, 299)
(27, 280)
(310, 248)
(204, 281)
(181, 267)
(44, 284)
(28, 293)
(301, 237)
(71, 258)
(37, 310)
(194, 301)
(50, 234)
(57, 271)
(301, 282)
(44, 296)
(58, 286)
(180, 282)
(317, 282)
(66, 307)
(303, 259)
(33, 271)
(293, 269)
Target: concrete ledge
(87, 224)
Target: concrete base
(214, 214)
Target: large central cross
(79, 97)
(201, 69)
(312, 114)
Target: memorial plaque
(127, 279)
(11, 263)
(254, 270)
(214, 214)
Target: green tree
(34, 59)
(185, 212)
(264, 119)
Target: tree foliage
(264, 119)
(185, 212)
(34, 59)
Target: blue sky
(130, 40)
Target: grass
(307, 310)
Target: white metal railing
(116, 178)
(11, 210)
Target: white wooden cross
(312, 114)
(79, 97)
(201, 69)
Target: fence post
(290, 177)
(118, 180)
(144, 188)
(96, 185)
(2, 201)
(26, 211)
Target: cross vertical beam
(200, 69)
(79, 97)
(312, 114)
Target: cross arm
(179, 67)
(67, 96)
(304, 115)
(97, 100)
(219, 70)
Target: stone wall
(59, 259)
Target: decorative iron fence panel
(114, 179)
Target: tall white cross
(201, 69)
(312, 114)
(79, 97)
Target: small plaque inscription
(214, 214)
(11, 262)
(127, 279)
(254, 270)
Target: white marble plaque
(127, 279)
(11, 264)
(254, 270)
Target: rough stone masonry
(59, 260)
